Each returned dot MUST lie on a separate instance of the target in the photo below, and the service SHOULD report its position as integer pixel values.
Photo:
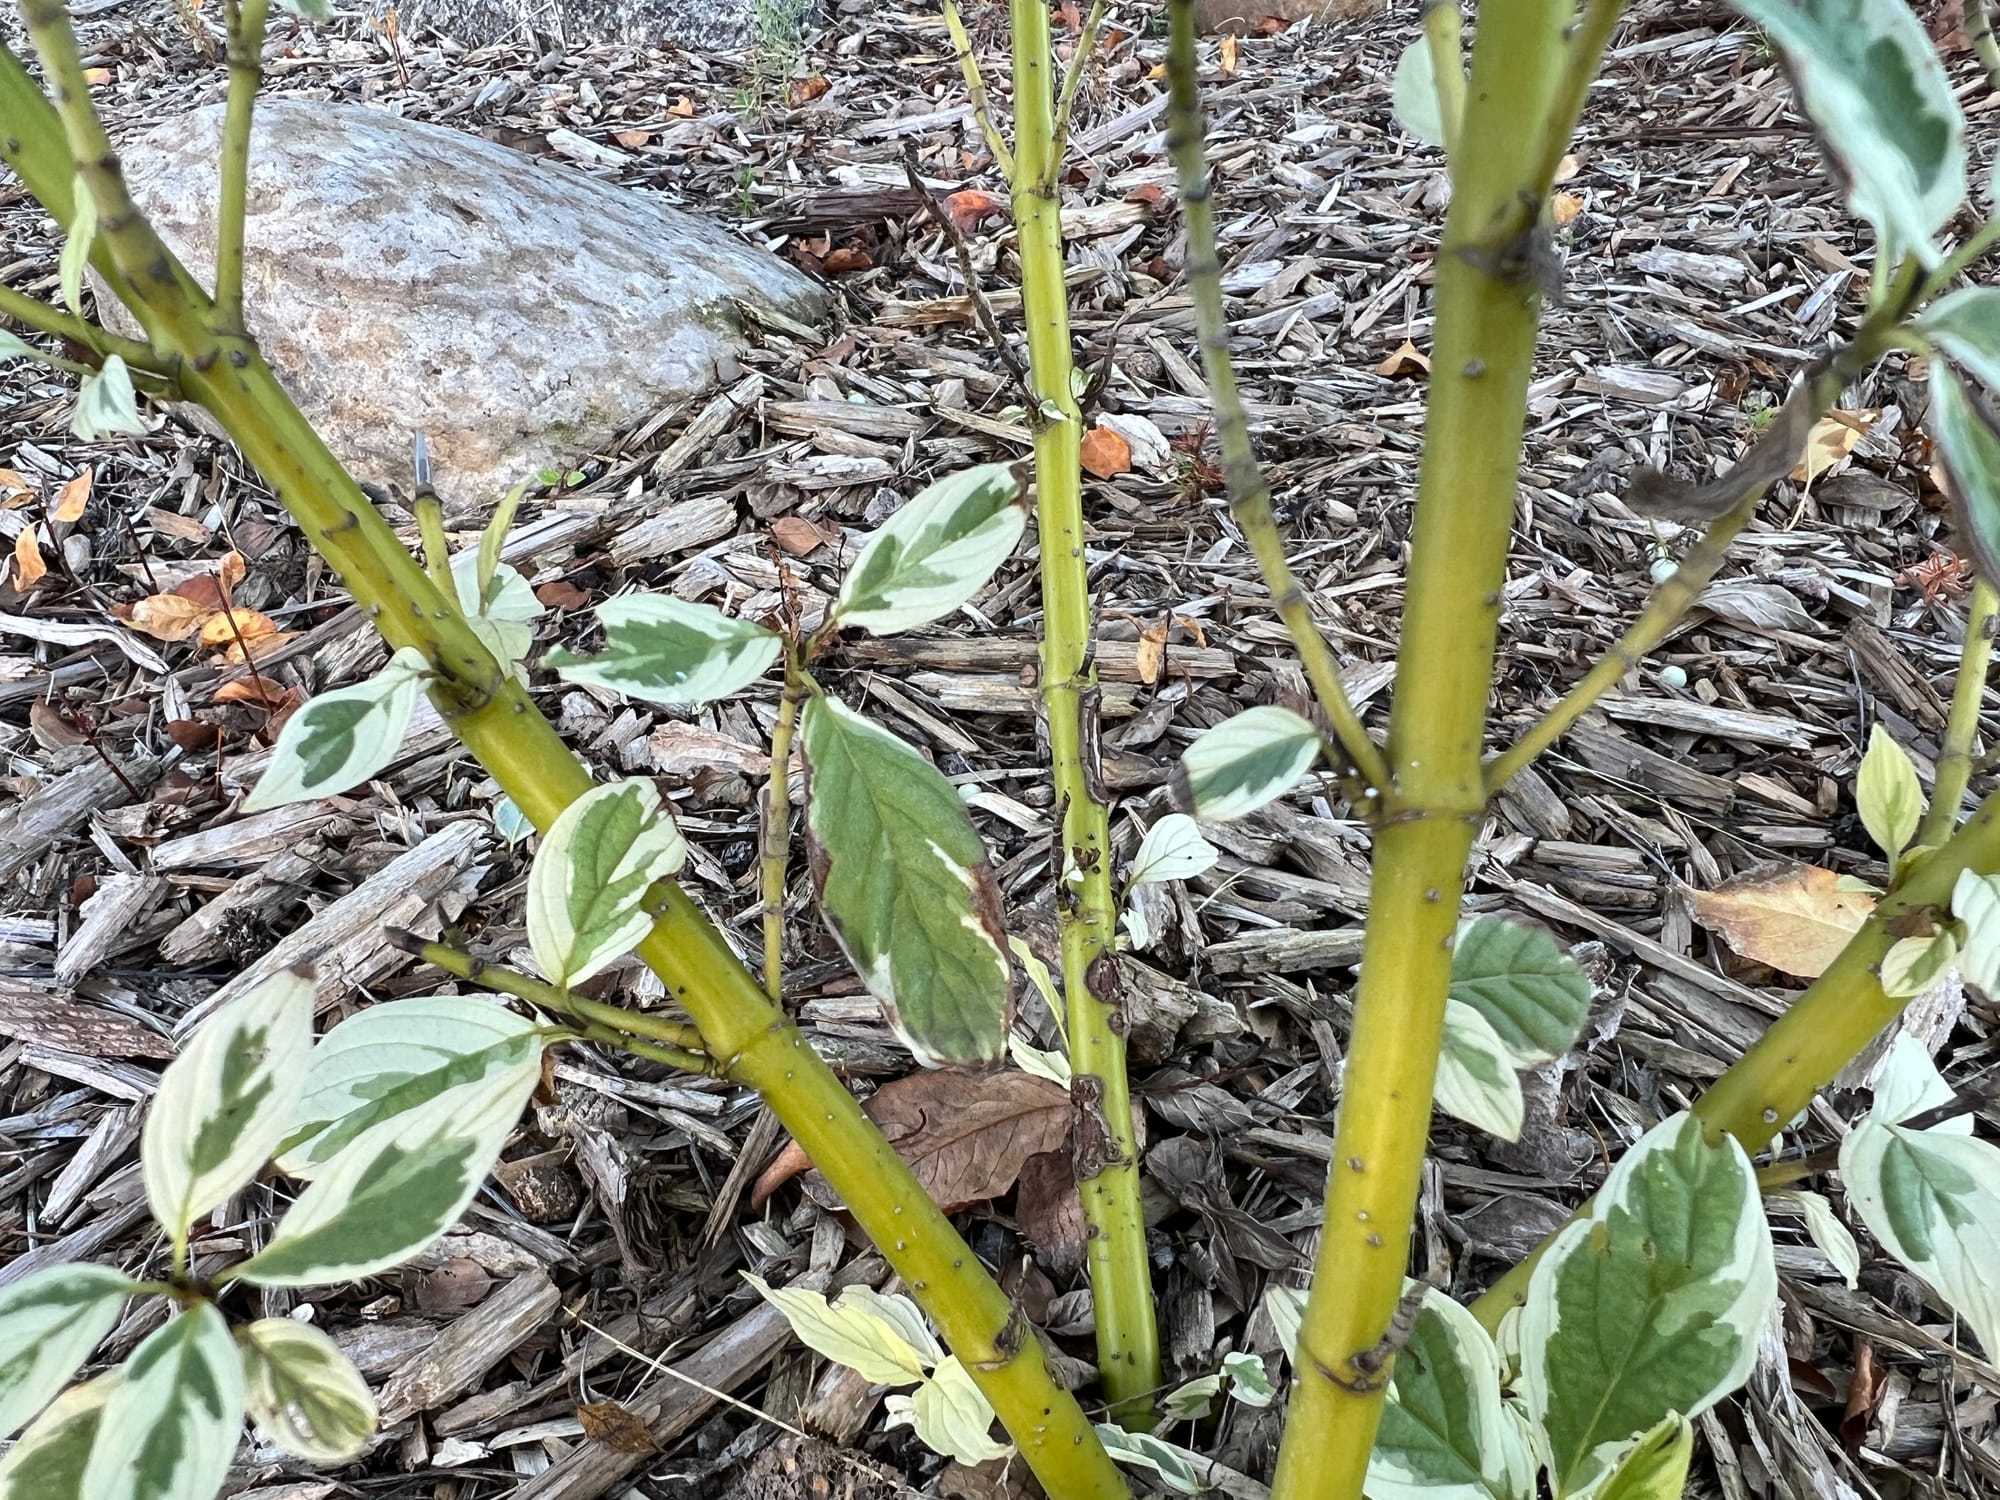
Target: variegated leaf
(936, 552)
(49, 1323)
(1445, 1434)
(950, 1415)
(393, 1057)
(1657, 1466)
(171, 1423)
(75, 256)
(226, 1102)
(1888, 795)
(48, 1461)
(303, 1393)
(1652, 1304)
(399, 1186)
(340, 739)
(1975, 901)
(1519, 977)
(1173, 849)
(666, 650)
(106, 404)
(906, 888)
(1245, 762)
(1476, 1078)
(1870, 81)
(1932, 1197)
(882, 1339)
(587, 890)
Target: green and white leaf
(394, 1057)
(1970, 450)
(1913, 964)
(950, 1415)
(1245, 762)
(1249, 1381)
(341, 738)
(1870, 81)
(171, 1424)
(906, 888)
(399, 1186)
(1826, 1231)
(1931, 1197)
(1177, 1468)
(510, 822)
(1192, 1401)
(49, 1323)
(936, 552)
(1965, 327)
(1476, 1078)
(1445, 1433)
(882, 1339)
(587, 890)
(666, 650)
(76, 244)
(1173, 849)
(1890, 799)
(1975, 901)
(1414, 94)
(226, 1102)
(1285, 1306)
(48, 1461)
(106, 404)
(13, 346)
(1043, 1062)
(1657, 1467)
(1523, 981)
(1652, 1304)
(303, 1393)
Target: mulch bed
(1707, 258)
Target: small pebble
(1673, 678)
(1663, 569)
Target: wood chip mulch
(596, 1281)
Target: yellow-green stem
(247, 20)
(495, 719)
(1488, 301)
(1128, 1344)
(642, 1035)
(1968, 695)
(777, 846)
(1823, 1031)
(32, 313)
(1444, 36)
(975, 86)
(1249, 493)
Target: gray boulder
(694, 25)
(402, 276)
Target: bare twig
(981, 308)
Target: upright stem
(1488, 300)
(247, 20)
(494, 718)
(777, 845)
(1822, 1032)
(1968, 694)
(1249, 493)
(1128, 1347)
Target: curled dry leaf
(169, 617)
(969, 208)
(1832, 439)
(1105, 453)
(1406, 362)
(965, 1135)
(1796, 920)
(615, 1426)
(29, 569)
(74, 496)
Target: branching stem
(1968, 694)
(975, 86)
(1249, 493)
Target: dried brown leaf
(1796, 920)
(74, 496)
(965, 1135)
(169, 617)
(1105, 453)
(616, 1427)
(29, 569)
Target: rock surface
(402, 276)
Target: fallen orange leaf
(805, 90)
(226, 626)
(1229, 46)
(73, 497)
(969, 206)
(11, 483)
(1796, 920)
(29, 569)
(168, 617)
(1564, 208)
(1832, 438)
(1104, 453)
(230, 570)
(258, 690)
(1407, 362)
